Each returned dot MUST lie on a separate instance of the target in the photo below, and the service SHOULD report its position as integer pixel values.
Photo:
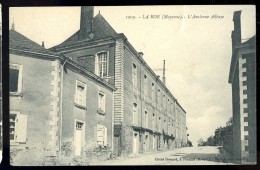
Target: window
(145, 85)
(153, 93)
(18, 127)
(102, 64)
(153, 121)
(135, 120)
(158, 97)
(15, 78)
(80, 96)
(101, 135)
(101, 101)
(79, 125)
(134, 75)
(169, 126)
(159, 122)
(146, 119)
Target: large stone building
(92, 89)
(56, 105)
(147, 116)
(242, 77)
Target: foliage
(222, 135)
(189, 143)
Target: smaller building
(242, 77)
(57, 107)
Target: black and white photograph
(132, 85)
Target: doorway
(135, 142)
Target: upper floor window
(134, 75)
(145, 85)
(146, 119)
(153, 121)
(15, 78)
(81, 92)
(102, 64)
(101, 101)
(153, 93)
(135, 120)
(158, 96)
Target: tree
(189, 143)
(201, 142)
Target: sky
(197, 50)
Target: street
(207, 155)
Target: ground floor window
(18, 127)
(101, 135)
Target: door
(135, 142)
(78, 138)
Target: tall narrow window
(134, 75)
(101, 135)
(80, 96)
(145, 85)
(153, 93)
(18, 127)
(15, 78)
(159, 124)
(158, 96)
(146, 119)
(102, 64)
(153, 121)
(135, 120)
(101, 101)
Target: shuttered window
(18, 127)
(101, 135)
(81, 92)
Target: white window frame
(97, 64)
(20, 77)
(102, 104)
(84, 95)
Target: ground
(208, 155)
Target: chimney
(141, 54)
(163, 78)
(236, 33)
(86, 21)
(43, 44)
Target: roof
(101, 29)
(20, 41)
(249, 42)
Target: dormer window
(102, 64)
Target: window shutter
(21, 128)
(105, 136)
(100, 135)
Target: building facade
(56, 105)
(147, 117)
(242, 77)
